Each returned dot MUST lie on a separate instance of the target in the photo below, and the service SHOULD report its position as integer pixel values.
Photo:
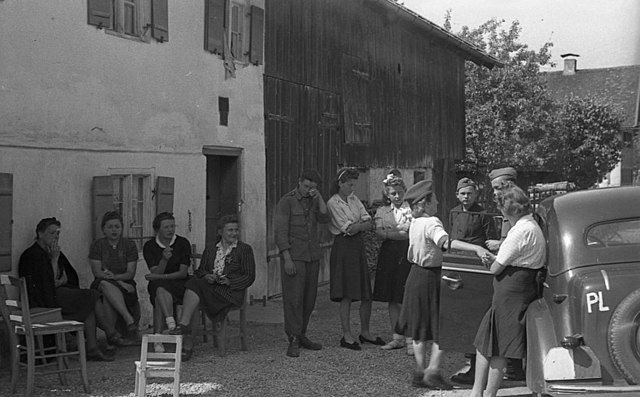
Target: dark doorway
(222, 192)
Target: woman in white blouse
(349, 273)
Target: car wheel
(624, 337)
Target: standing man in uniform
(296, 232)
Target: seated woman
(168, 257)
(226, 271)
(53, 282)
(113, 262)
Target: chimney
(570, 64)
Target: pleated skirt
(391, 271)
(419, 317)
(348, 270)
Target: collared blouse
(345, 213)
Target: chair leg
(15, 366)
(61, 347)
(83, 360)
(203, 319)
(41, 351)
(142, 387)
(176, 384)
(222, 337)
(31, 358)
(137, 386)
(243, 329)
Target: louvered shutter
(257, 35)
(6, 216)
(160, 20)
(99, 13)
(214, 25)
(164, 194)
(102, 195)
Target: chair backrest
(147, 355)
(15, 312)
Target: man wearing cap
(469, 221)
(501, 178)
(296, 233)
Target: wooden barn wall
(402, 90)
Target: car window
(617, 233)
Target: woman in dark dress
(501, 333)
(113, 262)
(53, 282)
(392, 224)
(226, 270)
(168, 257)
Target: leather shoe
(465, 378)
(97, 355)
(309, 344)
(180, 330)
(394, 344)
(434, 380)
(378, 341)
(416, 380)
(352, 346)
(293, 350)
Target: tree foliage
(511, 118)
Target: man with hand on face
(296, 232)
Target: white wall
(75, 101)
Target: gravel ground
(264, 370)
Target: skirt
(392, 271)
(502, 330)
(174, 287)
(130, 298)
(76, 304)
(349, 273)
(215, 305)
(419, 316)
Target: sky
(605, 33)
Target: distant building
(621, 87)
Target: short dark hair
(226, 219)
(109, 216)
(163, 216)
(45, 223)
(344, 174)
(311, 174)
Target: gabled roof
(620, 85)
(466, 50)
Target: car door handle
(453, 283)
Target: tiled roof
(620, 85)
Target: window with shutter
(6, 220)
(160, 20)
(214, 12)
(133, 19)
(256, 41)
(164, 194)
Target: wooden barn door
(302, 130)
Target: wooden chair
(162, 365)
(219, 329)
(32, 325)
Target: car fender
(540, 340)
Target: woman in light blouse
(501, 333)
(392, 224)
(349, 274)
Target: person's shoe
(293, 350)
(97, 355)
(378, 341)
(158, 347)
(417, 379)
(117, 340)
(347, 345)
(434, 380)
(309, 344)
(180, 330)
(186, 354)
(394, 344)
(465, 378)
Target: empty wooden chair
(158, 365)
(32, 325)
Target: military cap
(419, 191)
(466, 182)
(506, 171)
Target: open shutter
(102, 196)
(6, 216)
(164, 194)
(160, 20)
(257, 35)
(99, 13)
(214, 25)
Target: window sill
(140, 39)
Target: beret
(507, 171)
(419, 191)
(465, 182)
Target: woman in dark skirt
(392, 224)
(349, 274)
(168, 257)
(53, 282)
(226, 271)
(501, 334)
(113, 262)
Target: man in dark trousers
(296, 233)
